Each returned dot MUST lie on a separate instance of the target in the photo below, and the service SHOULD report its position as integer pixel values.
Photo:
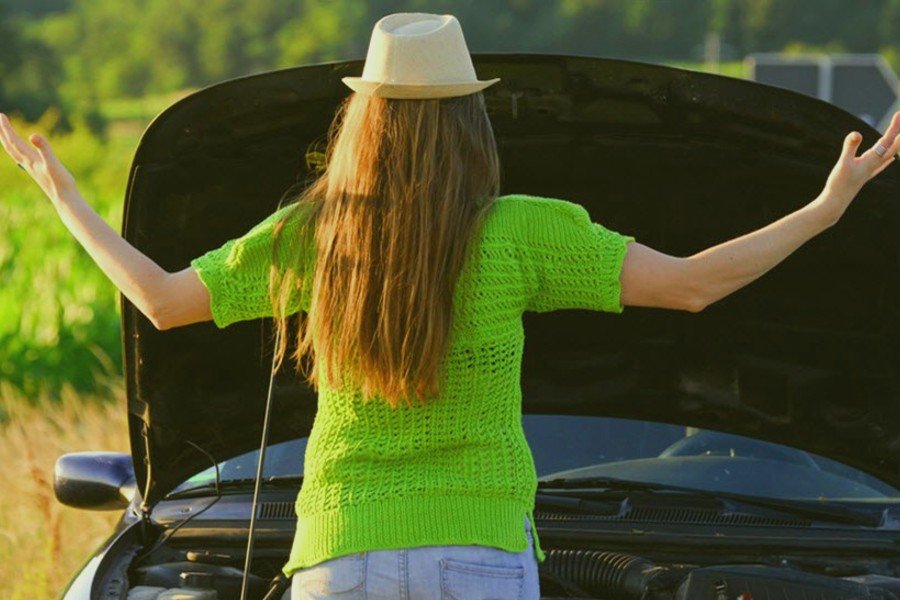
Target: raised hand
(851, 172)
(38, 161)
(166, 299)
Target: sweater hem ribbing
(408, 523)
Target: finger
(44, 149)
(851, 144)
(889, 155)
(25, 152)
(884, 166)
(893, 149)
(893, 129)
(882, 160)
(7, 143)
(880, 152)
(895, 123)
(886, 141)
(14, 145)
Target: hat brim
(410, 91)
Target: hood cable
(259, 470)
(148, 477)
(166, 535)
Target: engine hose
(607, 574)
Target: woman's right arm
(166, 299)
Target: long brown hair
(405, 188)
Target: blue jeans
(423, 573)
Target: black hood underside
(806, 356)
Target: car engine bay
(207, 563)
(566, 573)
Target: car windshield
(566, 446)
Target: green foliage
(37, 7)
(892, 55)
(733, 68)
(29, 70)
(141, 109)
(114, 48)
(59, 320)
(91, 74)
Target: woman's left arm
(654, 279)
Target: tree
(30, 73)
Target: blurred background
(91, 75)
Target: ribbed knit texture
(457, 470)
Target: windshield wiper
(209, 488)
(575, 504)
(803, 508)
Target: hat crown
(417, 55)
(419, 49)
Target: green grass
(140, 109)
(59, 313)
(734, 68)
(59, 318)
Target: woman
(418, 479)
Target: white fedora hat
(417, 55)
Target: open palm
(39, 161)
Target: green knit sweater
(457, 470)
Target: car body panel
(807, 356)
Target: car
(749, 450)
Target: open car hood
(807, 356)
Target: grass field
(60, 362)
(42, 543)
(68, 332)
(734, 68)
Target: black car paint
(635, 144)
(807, 356)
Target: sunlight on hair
(405, 188)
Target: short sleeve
(236, 274)
(570, 261)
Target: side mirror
(94, 480)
